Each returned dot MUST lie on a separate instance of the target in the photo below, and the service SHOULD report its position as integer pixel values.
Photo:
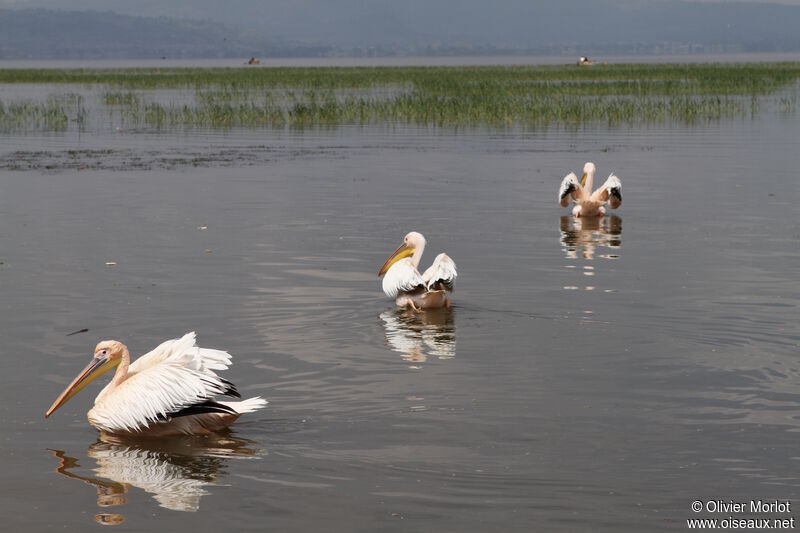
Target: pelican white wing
(402, 277)
(570, 187)
(441, 275)
(204, 359)
(610, 192)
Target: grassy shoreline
(281, 97)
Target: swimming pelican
(169, 391)
(404, 282)
(588, 203)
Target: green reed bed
(54, 114)
(445, 96)
(716, 77)
(120, 98)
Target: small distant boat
(585, 61)
(253, 61)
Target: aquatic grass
(121, 98)
(441, 96)
(448, 111)
(744, 78)
(54, 114)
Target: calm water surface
(592, 376)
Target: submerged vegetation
(442, 96)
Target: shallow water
(592, 375)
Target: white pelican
(404, 282)
(169, 391)
(588, 203)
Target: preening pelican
(412, 289)
(588, 203)
(169, 391)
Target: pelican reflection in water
(589, 233)
(176, 471)
(582, 237)
(418, 336)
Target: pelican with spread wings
(588, 203)
(403, 281)
(170, 391)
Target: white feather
(443, 269)
(246, 406)
(401, 277)
(203, 358)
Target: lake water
(592, 375)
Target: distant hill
(199, 28)
(40, 33)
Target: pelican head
(588, 172)
(107, 355)
(412, 242)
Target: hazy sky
(71, 4)
(457, 23)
